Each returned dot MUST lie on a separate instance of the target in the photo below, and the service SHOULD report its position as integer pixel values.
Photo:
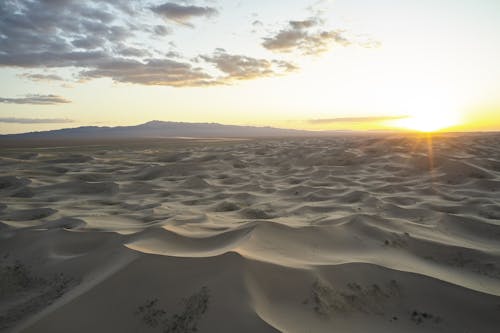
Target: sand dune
(350, 234)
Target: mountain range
(164, 129)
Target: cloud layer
(355, 119)
(100, 38)
(152, 71)
(125, 41)
(41, 77)
(36, 100)
(34, 121)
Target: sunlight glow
(430, 116)
(427, 122)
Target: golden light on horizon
(426, 123)
(431, 116)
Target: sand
(372, 233)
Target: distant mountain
(162, 129)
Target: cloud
(306, 37)
(164, 72)
(161, 30)
(306, 24)
(182, 74)
(67, 33)
(354, 119)
(41, 77)
(33, 28)
(35, 121)
(182, 14)
(36, 100)
(114, 39)
(240, 67)
(130, 51)
(88, 42)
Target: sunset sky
(344, 64)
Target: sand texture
(371, 233)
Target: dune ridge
(370, 233)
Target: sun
(431, 117)
(427, 122)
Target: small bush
(187, 321)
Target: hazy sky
(357, 64)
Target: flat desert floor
(366, 233)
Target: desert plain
(353, 233)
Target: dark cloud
(306, 37)
(35, 121)
(36, 99)
(38, 27)
(89, 42)
(355, 119)
(182, 14)
(240, 67)
(62, 33)
(129, 51)
(109, 39)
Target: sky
(309, 64)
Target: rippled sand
(347, 234)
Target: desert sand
(373, 233)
